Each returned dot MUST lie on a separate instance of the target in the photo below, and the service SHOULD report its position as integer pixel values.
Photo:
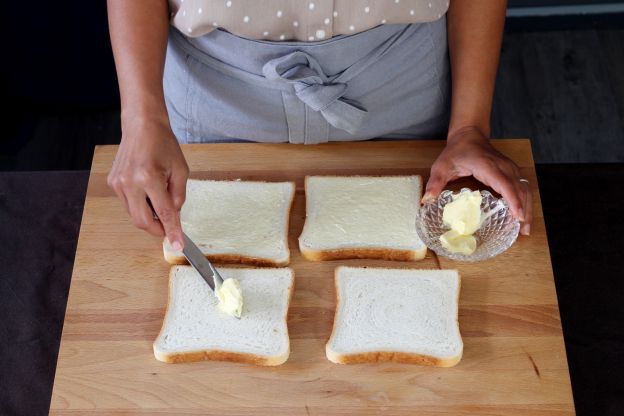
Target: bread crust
(228, 259)
(219, 355)
(363, 253)
(387, 356)
(382, 253)
(171, 258)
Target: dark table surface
(40, 216)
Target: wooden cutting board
(514, 359)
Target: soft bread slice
(236, 221)
(195, 329)
(401, 315)
(362, 217)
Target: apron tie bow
(316, 90)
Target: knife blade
(197, 259)
(203, 266)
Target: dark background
(560, 82)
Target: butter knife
(199, 261)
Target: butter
(230, 297)
(463, 214)
(463, 217)
(458, 243)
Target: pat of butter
(463, 214)
(458, 243)
(230, 297)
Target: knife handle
(154, 215)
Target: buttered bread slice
(195, 328)
(237, 221)
(362, 217)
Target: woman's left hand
(469, 152)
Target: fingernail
(177, 246)
(526, 229)
(521, 214)
(428, 197)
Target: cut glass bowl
(498, 231)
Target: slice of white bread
(195, 329)
(401, 315)
(362, 217)
(236, 221)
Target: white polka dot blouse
(298, 20)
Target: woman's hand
(469, 152)
(150, 164)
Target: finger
(437, 181)
(141, 213)
(168, 215)
(177, 186)
(528, 209)
(115, 184)
(523, 189)
(124, 200)
(508, 188)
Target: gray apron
(391, 81)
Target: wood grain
(514, 358)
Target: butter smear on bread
(463, 216)
(230, 297)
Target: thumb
(435, 184)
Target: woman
(303, 72)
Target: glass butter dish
(497, 232)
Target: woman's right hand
(150, 164)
